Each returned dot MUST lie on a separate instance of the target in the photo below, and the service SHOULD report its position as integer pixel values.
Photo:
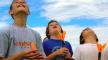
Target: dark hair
(11, 8)
(11, 4)
(82, 40)
(47, 29)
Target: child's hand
(68, 56)
(62, 51)
(30, 55)
(34, 55)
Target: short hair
(82, 40)
(47, 29)
(12, 8)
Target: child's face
(88, 33)
(54, 28)
(20, 6)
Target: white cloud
(4, 2)
(73, 33)
(64, 10)
(102, 33)
(4, 18)
(3, 24)
(106, 22)
(41, 30)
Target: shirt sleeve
(77, 54)
(39, 43)
(4, 44)
(69, 47)
(45, 48)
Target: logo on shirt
(24, 44)
(56, 48)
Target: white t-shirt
(89, 52)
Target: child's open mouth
(21, 6)
(55, 27)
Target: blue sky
(39, 12)
(73, 15)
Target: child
(54, 47)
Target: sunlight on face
(54, 27)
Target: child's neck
(54, 37)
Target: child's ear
(11, 12)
